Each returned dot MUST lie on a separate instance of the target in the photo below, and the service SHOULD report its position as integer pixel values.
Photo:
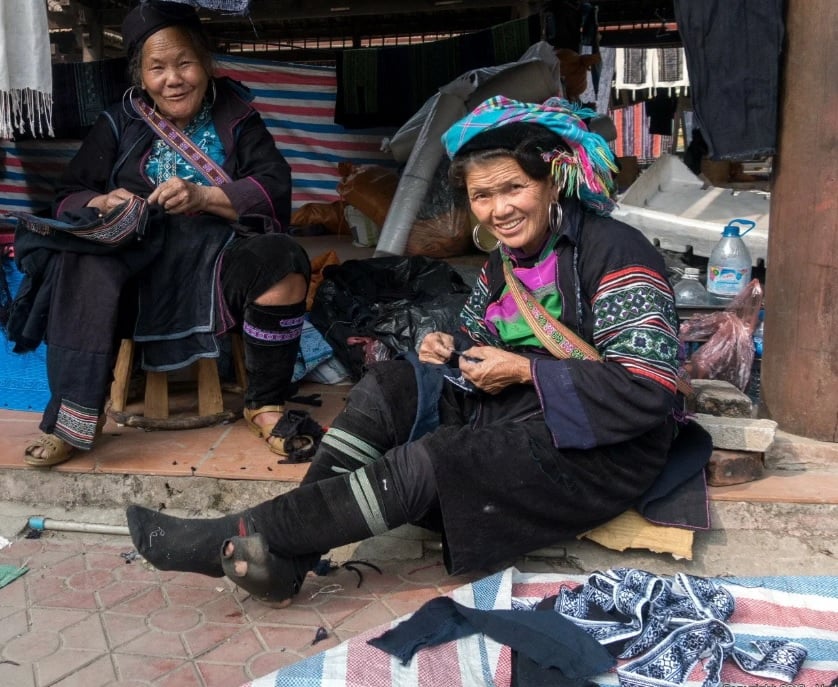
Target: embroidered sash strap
(669, 626)
(182, 145)
(557, 338)
(118, 226)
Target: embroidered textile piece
(628, 326)
(76, 424)
(472, 319)
(165, 162)
(288, 330)
(540, 281)
(669, 626)
(113, 229)
(228, 6)
(181, 143)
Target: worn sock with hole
(183, 544)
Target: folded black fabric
(678, 496)
(544, 637)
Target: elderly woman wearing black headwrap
(188, 161)
(551, 411)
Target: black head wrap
(152, 15)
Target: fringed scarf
(25, 69)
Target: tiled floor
(84, 616)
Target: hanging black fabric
(733, 57)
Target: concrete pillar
(800, 364)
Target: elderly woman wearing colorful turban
(186, 172)
(551, 411)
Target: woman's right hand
(436, 347)
(107, 202)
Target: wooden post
(800, 365)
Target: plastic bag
(328, 215)
(369, 310)
(727, 353)
(442, 228)
(369, 188)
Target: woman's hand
(107, 202)
(493, 369)
(436, 347)
(179, 197)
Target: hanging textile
(601, 94)
(25, 69)
(644, 69)
(226, 6)
(741, 40)
(633, 135)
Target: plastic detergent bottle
(689, 291)
(729, 266)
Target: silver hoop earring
(555, 216)
(128, 95)
(211, 101)
(478, 235)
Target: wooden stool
(156, 413)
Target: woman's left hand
(179, 197)
(493, 369)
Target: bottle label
(726, 281)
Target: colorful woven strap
(182, 145)
(554, 336)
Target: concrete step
(786, 523)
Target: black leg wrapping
(271, 343)
(379, 414)
(322, 515)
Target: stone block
(792, 452)
(733, 467)
(738, 433)
(716, 397)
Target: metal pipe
(39, 523)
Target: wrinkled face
(173, 75)
(509, 203)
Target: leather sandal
(264, 575)
(56, 450)
(275, 444)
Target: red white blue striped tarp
(799, 609)
(297, 103)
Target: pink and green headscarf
(585, 171)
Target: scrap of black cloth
(660, 110)
(543, 636)
(527, 673)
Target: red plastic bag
(728, 351)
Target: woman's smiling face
(174, 75)
(513, 206)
